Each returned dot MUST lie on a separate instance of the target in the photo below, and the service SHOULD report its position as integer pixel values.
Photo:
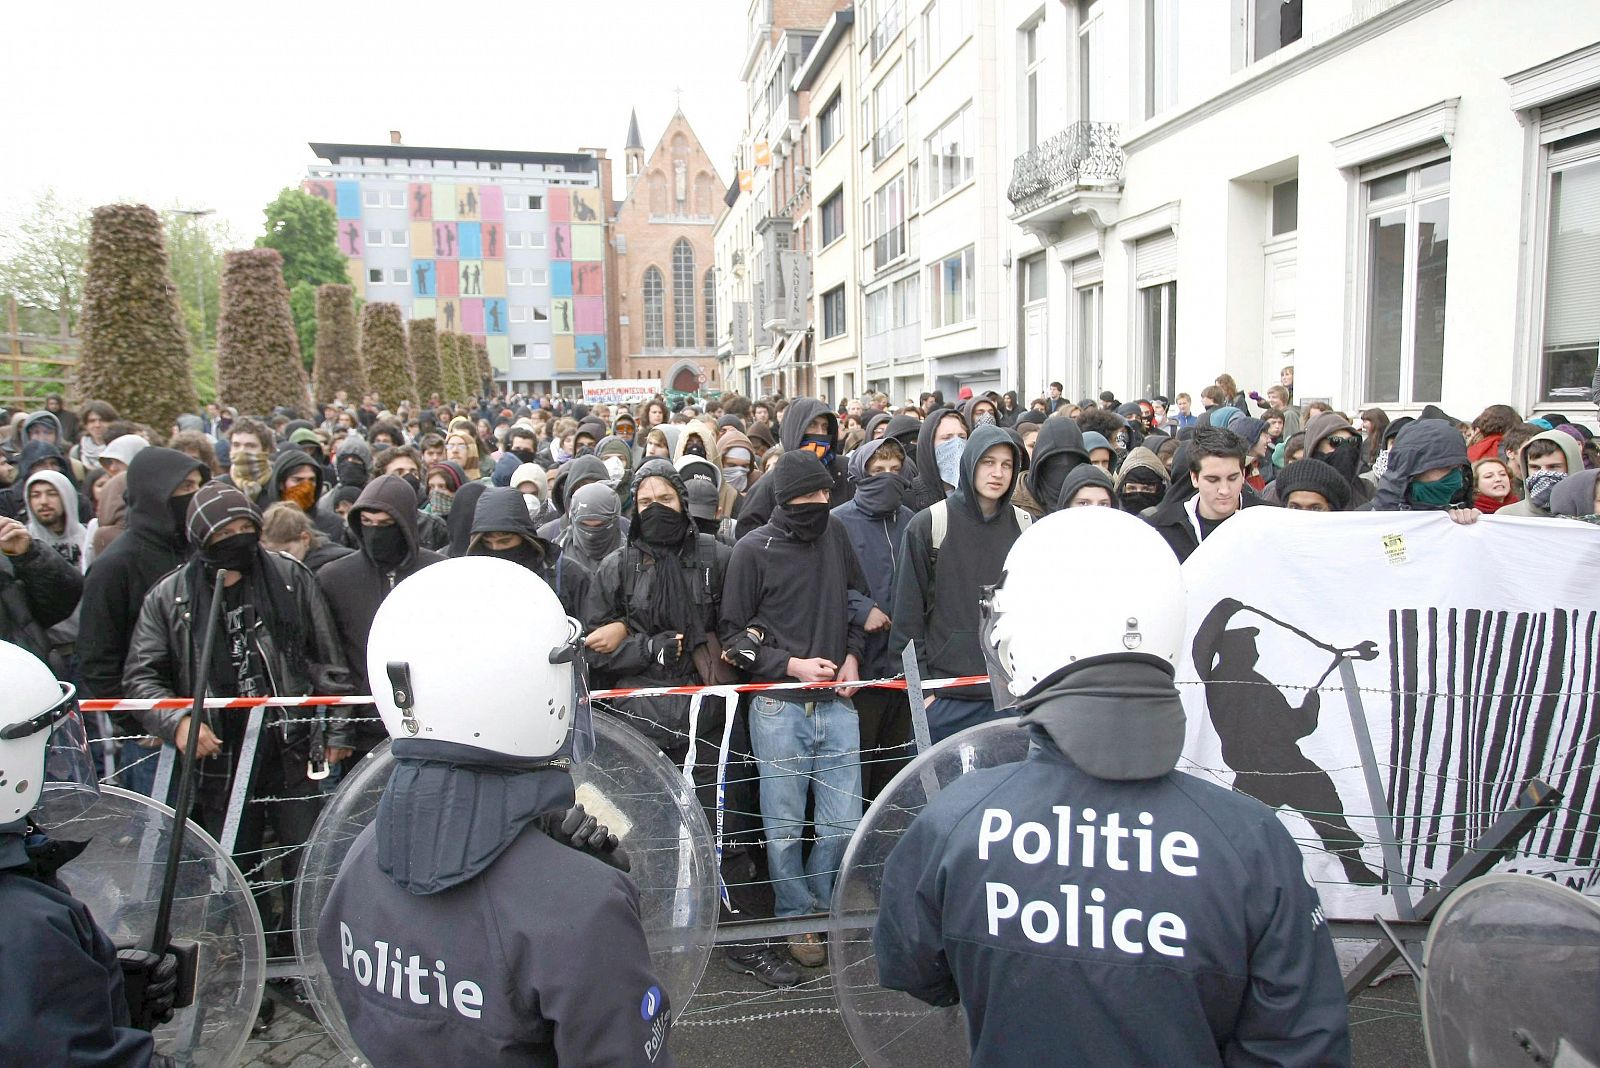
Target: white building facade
(1399, 198)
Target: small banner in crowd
(1471, 655)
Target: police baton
(187, 952)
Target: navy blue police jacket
(1083, 921)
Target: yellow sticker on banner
(1394, 548)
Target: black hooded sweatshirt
(502, 509)
(14, 498)
(578, 473)
(759, 503)
(154, 543)
(355, 585)
(1057, 450)
(1423, 446)
(463, 511)
(927, 488)
(282, 464)
(798, 593)
(936, 600)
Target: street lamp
(199, 283)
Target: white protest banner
(1475, 656)
(621, 391)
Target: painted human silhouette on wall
(491, 236)
(422, 279)
(586, 279)
(581, 211)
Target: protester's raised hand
(14, 537)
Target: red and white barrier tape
(178, 703)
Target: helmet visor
(999, 670)
(579, 744)
(70, 775)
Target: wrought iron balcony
(1084, 156)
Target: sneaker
(765, 965)
(809, 949)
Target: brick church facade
(662, 240)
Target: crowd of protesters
(772, 540)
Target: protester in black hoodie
(40, 455)
(786, 618)
(943, 425)
(383, 526)
(1056, 451)
(937, 588)
(811, 426)
(502, 528)
(297, 477)
(1428, 470)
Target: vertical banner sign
(1470, 653)
(741, 327)
(796, 266)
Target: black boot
(764, 964)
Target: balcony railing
(1085, 154)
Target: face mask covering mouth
(351, 473)
(527, 456)
(984, 418)
(615, 468)
(660, 525)
(1345, 458)
(248, 468)
(817, 445)
(694, 447)
(178, 509)
(947, 456)
(806, 521)
(534, 504)
(1437, 494)
(880, 494)
(236, 552)
(303, 495)
(1540, 484)
(440, 502)
(385, 545)
(737, 477)
(559, 454)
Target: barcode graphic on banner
(1482, 701)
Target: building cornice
(1437, 122)
(1565, 76)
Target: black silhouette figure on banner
(472, 202)
(492, 233)
(420, 199)
(581, 211)
(1261, 730)
(449, 241)
(449, 315)
(494, 316)
(586, 275)
(354, 233)
(438, 241)
(422, 279)
(561, 245)
(566, 320)
(591, 352)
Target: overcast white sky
(211, 104)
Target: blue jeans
(796, 750)
(952, 715)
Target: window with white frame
(538, 276)
(1032, 80)
(833, 314)
(372, 198)
(892, 306)
(516, 276)
(519, 351)
(832, 214)
(875, 310)
(514, 239)
(952, 289)
(375, 276)
(655, 309)
(886, 221)
(1272, 25)
(708, 297)
(397, 198)
(1570, 343)
(515, 203)
(400, 276)
(541, 350)
(374, 237)
(888, 114)
(539, 314)
(1091, 61)
(887, 28)
(1404, 259)
(1160, 56)
(830, 123)
(536, 239)
(535, 203)
(519, 313)
(945, 25)
(397, 238)
(683, 294)
(950, 154)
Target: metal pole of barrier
(1536, 800)
(241, 779)
(1375, 796)
(162, 790)
(919, 714)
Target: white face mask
(533, 503)
(615, 468)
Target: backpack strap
(1024, 517)
(940, 514)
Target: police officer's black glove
(666, 648)
(583, 832)
(150, 982)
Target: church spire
(634, 140)
(633, 152)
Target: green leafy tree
(305, 231)
(196, 245)
(384, 357)
(43, 252)
(338, 367)
(258, 353)
(135, 352)
(424, 344)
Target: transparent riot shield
(1512, 976)
(892, 1029)
(628, 785)
(119, 877)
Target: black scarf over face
(274, 605)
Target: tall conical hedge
(449, 363)
(258, 353)
(337, 365)
(135, 351)
(484, 368)
(465, 370)
(384, 356)
(424, 344)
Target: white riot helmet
(434, 683)
(41, 735)
(1081, 585)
